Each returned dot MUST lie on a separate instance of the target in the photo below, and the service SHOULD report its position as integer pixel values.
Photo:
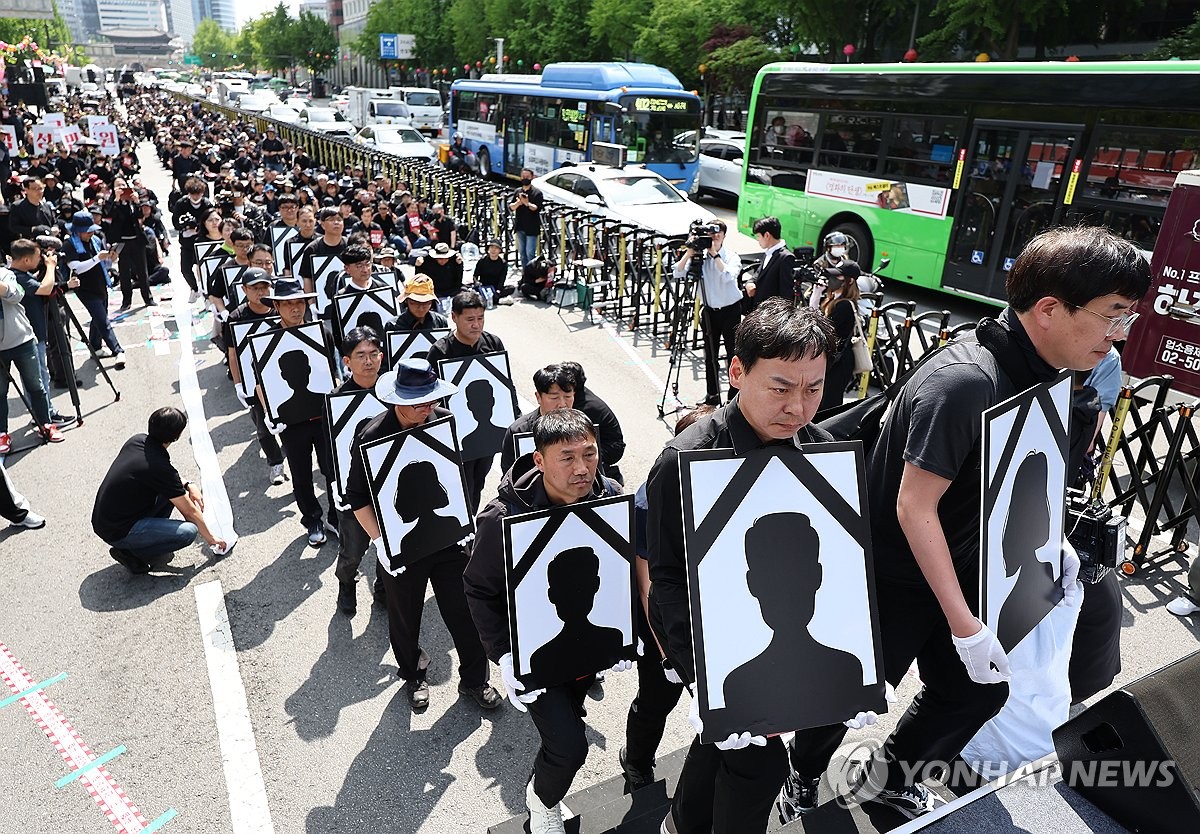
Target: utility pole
(499, 54)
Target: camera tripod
(59, 321)
(685, 303)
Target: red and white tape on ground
(100, 784)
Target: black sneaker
(316, 535)
(131, 562)
(418, 694)
(911, 801)
(636, 778)
(347, 598)
(798, 797)
(60, 419)
(486, 696)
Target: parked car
(721, 167)
(397, 140)
(254, 102)
(283, 113)
(326, 120)
(340, 102)
(632, 194)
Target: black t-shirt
(358, 489)
(320, 249)
(936, 424)
(35, 305)
(140, 482)
(526, 219)
(243, 313)
(443, 229)
(448, 347)
(491, 273)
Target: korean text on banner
(43, 138)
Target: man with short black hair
(526, 207)
(554, 388)
(563, 470)
(722, 300)
(612, 439)
(256, 286)
(135, 499)
(1071, 294)
(775, 275)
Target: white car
(325, 120)
(340, 103)
(397, 140)
(721, 167)
(632, 194)
(253, 102)
(282, 113)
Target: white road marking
(248, 809)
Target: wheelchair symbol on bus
(977, 256)
(1008, 264)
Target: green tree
(1183, 44)
(51, 35)
(470, 28)
(274, 38)
(735, 65)
(314, 43)
(244, 49)
(212, 45)
(674, 35)
(615, 26)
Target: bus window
(922, 149)
(654, 128)
(786, 137)
(854, 138)
(1138, 165)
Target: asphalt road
(338, 747)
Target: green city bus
(949, 169)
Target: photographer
(90, 262)
(526, 205)
(17, 345)
(720, 294)
(38, 275)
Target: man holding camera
(526, 205)
(720, 294)
(90, 262)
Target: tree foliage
(213, 45)
(1183, 44)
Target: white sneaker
(543, 820)
(32, 520)
(1182, 607)
(277, 476)
(120, 363)
(193, 296)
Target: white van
(425, 104)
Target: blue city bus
(544, 121)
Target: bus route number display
(645, 104)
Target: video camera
(1097, 534)
(700, 235)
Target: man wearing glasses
(1071, 294)
(722, 311)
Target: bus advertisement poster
(1166, 339)
(890, 194)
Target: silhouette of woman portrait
(581, 647)
(303, 404)
(1026, 529)
(419, 494)
(486, 438)
(784, 573)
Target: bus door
(516, 117)
(1013, 183)
(602, 130)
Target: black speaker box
(1135, 754)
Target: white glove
(622, 666)
(381, 554)
(514, 687)
(1072, 587)
(671, 675)
(271, 427)
(979, 652)
(868, 718)
(241, 398)
(736, 741)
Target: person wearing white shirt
(722, 310)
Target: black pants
(187, 261)
(729, 791)
(300, 441)
(405, 596)
(352, 545)
(558, 714)
(718, 325)
(950, 707)
(476, 472)
(132, 270)
(1096, 644)
(656, 697)
(13, 505)
(267, 441)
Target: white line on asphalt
(632, 353)
(218, 514)
(248, 809)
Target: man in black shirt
(256, 286)
(445, 268)
(272, 151)
(554, 388)
(124, 216)
(135, 499)
(468, 339)
(330, 243)
(186, 212)
(183, 165)
(526, 207)
(612, 439)
(362, 354)
(491, 271)
(778, 369)
(1071, 294)
(91, 264)
(445, 230)
(412, 391)
(417, 312)
(32, 213)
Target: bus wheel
(485, 163)
(860, 248)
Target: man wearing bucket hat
(304, 439)
(256, 286)
(412, 390)
(418, 313)
(445, 267)
(90, 262)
